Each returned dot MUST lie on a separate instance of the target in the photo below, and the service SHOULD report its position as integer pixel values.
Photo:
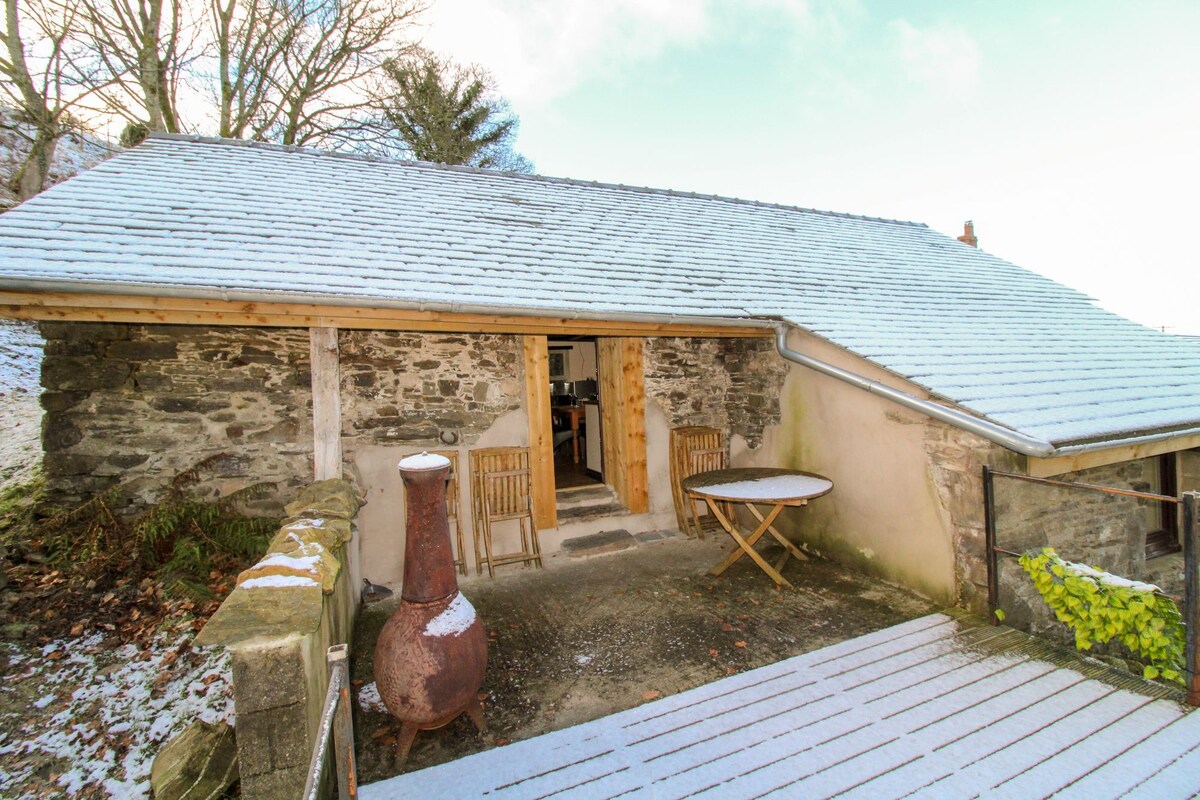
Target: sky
(1067, 131)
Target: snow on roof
(219, 218)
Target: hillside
(74, 154)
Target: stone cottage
(308, 315)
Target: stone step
(596, 544)
(577, 513)
(586, 496)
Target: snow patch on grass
(105, 712)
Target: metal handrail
(1165, 498)
(1191, 560)
(335, 720)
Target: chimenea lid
(424, 461)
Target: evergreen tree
(435, 110)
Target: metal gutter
(1005, 437)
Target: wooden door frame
(619, 361)
(623, 419)
(541, 438)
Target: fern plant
(176, 540)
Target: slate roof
(227, 218)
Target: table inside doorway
(752, 487)
(572, 415)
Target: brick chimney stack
(969, 236)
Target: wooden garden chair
(694, 449)
(502, 489)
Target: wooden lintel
(1049, 467)
(326, 403)
(186, 311)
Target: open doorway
(575, 413)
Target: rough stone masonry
(138, 404)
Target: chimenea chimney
(969, 236)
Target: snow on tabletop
(457, 617)
(278, 582)
(774, 488)
(110, 710)
(424, 461)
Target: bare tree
(42, 87)
(338, 44)
(294, 71)
(251, 40)
(139, 47)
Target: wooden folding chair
(694, 449)
(502, 489)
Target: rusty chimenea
(432, 653)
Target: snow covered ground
(20, 411)
(80, 718)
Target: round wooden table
(752, 487)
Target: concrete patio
(587, 638)
(937, 707)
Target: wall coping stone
(284, 593)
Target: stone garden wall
(142, 403)
(732, 384)
(278, 624)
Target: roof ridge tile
(431, 165)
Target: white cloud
(541, 49)
(944, 58)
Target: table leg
(575, 435)
(746, 545)
(789, 548)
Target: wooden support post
(327, 404)
(1191, 592)
(541, 437)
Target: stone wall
(955, 462)
(732, 384)
(405, 388)
(1189, 471)
(1108, 531)
(142, 403)
(278, 624)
